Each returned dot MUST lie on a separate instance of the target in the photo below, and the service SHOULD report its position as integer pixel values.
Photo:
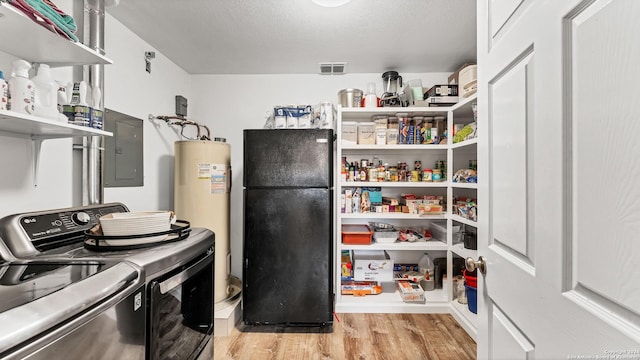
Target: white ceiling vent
(336, 68)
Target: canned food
(427, 175)
(414, 176)
(437, 175)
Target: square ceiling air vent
(335, 68)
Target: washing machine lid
(41, 294)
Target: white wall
(129, 89)
(229, 104)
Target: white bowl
(136, 223)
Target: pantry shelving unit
(42, 46)
(389, 301)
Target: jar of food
(427, 175)
(373, 174)
(437, 175)
(414, 176)
(393, 173)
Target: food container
(468, 79)
(367, 133)
(356, 234)
(349, 133)
(360, 288)
(439, 231)
(410, 292)
(350, 97)
(372, 265)
(384, 233)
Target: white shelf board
(464, 185)
(23, 38)
(430, 147)
(350, 114)
(399, 245)
(464, 105)
(466, 319)
(41, 128)
(460, 219)
(389, 301)
(394, 215)
(394, 184)
(466, 143)
(460, 250)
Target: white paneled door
(559, 196)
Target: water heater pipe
(92, 155)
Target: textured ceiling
(294, 36)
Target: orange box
(360, 288)
(356, 234)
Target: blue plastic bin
(472, 299)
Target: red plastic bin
(356, 234)
(470, 279)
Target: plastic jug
(46, 96)
(21, 89)
(426, 267)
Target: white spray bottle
(21, 89)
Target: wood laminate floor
(355, 336)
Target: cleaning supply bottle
(21, 89)
(46, 98)
(4, 92)
(426, 267)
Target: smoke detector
(334, 68)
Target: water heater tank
(202, 187)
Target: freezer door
(287, 274)
(288, 158)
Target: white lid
(21, 68)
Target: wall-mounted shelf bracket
(36, 145)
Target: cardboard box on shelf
(360, 288)
(372, 265)
(410, 292)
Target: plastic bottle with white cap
(371, 99)
(22, 91)
(46, 99)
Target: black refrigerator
(288, 227)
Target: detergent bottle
(21, 89)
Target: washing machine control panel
(67, 223)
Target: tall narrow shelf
(390, 301)
(458, 155)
